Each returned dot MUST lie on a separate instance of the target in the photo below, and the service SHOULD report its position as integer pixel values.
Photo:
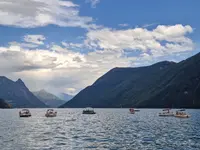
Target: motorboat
(132, 111)
(89, 110)
(24, 113)
(166, 113)
(181, 114)
(51, 113)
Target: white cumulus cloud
(35, 39)
(60, 69)
(163, 39)
(35, 13)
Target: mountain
(65, 97)
(164, 84)
(3, 104)
(49, 99)
(17, 94)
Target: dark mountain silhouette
(49, 99)
(3, 104)
(164, 84)
(17, 94)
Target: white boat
(24, 113)
(51, 113)
(166, 113)
(181, 114)
(89, 110)
(132, 111)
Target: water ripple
(111, 129)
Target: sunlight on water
(108, 129)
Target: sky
(64, 46)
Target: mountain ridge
(17, 94)
(155, 86)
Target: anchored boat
(166, 113)
(181, 114)
(89, 110)
(24, 113)
(51, 113)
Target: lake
(111, 129)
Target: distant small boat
(89, 110)
(181, 114)
(166, 113)
(132, 111)
(24, 113)
(51, 113)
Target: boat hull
(166, 115)
(182, 116)
(50, 115)
(89, 113)
(24, 116)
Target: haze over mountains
(164, 84)
(49, 99)
(65, 97)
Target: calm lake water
(109, 129)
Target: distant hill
(49, 99)
(3, 104)
(65, 97)
(164, 84)
(17, 94)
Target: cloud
(72, 45)
(70, 90)
(36, 13)
(35, 39)
(162, 40)
(93, 2)
(23, 45)
(124, 25)
(59, 68)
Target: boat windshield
(50, 110)
(25, 110)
